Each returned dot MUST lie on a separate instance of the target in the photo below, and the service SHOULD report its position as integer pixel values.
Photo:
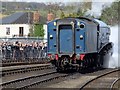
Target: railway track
(10, 62)
(29, 82)
(104, 80)
(117, 82)
(24, 69)
(44, 78)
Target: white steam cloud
(109, 61)
(98, 6)
(113, 61)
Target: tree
(30, 31)
(62, 15)
(110, 14)
(76, 14)
(38, 30)
(54, 7)
(80, 13)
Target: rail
(23, 69)
(97, 77)
(112, 85)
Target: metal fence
(22, 48)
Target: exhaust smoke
(113, 61)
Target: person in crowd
(34, 50)
(17, 51)
(3, 50)
(0, 50)
(40, 49)
(8, 51)
(23, 50)
(45, 50)
(29, 51)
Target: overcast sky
(96, 5)
(60, 0)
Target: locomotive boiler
(78, 43)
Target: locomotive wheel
(77, 68)
(59, 67)
(99, 61)
(63, 65)
(92, 61)
(88, 62)
(85, 63)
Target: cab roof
(97, 21)
(101, 23)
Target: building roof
(18, 18)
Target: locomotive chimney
(36, 17)
(50, 16)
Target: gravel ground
(73, 82)
(76, 80)
(104, 82)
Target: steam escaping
(97, 7)
(112, 61)
(109, 61)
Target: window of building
(21, 31)
(7, 30)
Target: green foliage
(79, 12)
(38, 30)
(69, 9)
(31, 32)
(110, 14)
(74, 14)
(62, 15)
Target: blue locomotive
(77, 43)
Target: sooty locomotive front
(77, 43)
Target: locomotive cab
(77, 42)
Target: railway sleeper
(23, 70)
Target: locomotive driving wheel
(63, 64)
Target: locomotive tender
(77, 43)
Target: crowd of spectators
(22, 51)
